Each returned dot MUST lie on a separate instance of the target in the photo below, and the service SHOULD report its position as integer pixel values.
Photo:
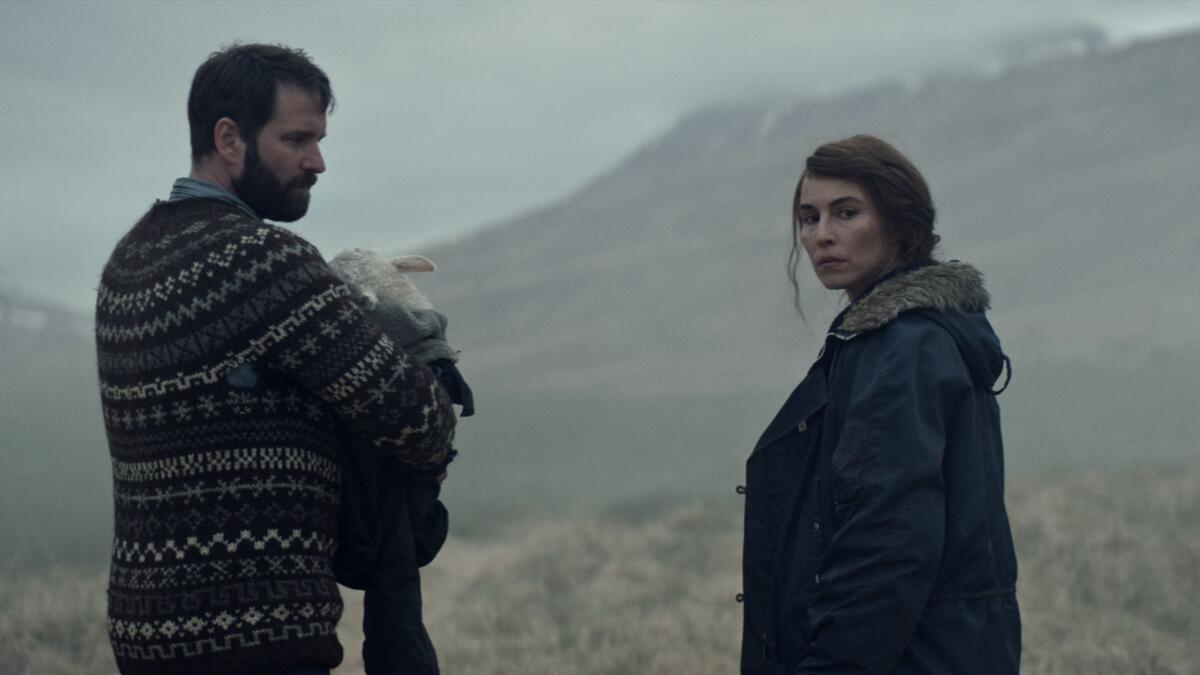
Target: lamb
(374, 275)
(394, 303)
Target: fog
(605, 188)
(450, 116)
(477, 130)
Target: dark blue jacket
(390, 524)
(876, 537)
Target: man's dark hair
(240, 82)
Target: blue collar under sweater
(190, 188)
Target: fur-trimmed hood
(951, 286)
(955, 292)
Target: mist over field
(629, 334)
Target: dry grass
(1109, 580)
(1110, 573)
(586, 597)
(52, 623)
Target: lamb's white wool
(382, 279)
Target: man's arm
(313, 332)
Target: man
(229, 358)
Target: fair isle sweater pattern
(229, 359)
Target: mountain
(636, 336)
(628, 342)
(1069, 184)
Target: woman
(876, 536)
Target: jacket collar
(953, 286)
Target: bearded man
(229, 358)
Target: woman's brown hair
(896, 189)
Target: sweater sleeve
(312, 331)
(888, 502)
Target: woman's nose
(823, 233)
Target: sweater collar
(190, 188)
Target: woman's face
(843, 235)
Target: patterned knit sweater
(229, 358)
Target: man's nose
(313, 161)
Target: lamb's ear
(413, 263)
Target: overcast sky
(450, 116)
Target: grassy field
(1110, 573)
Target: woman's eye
(847, 214)
(808, 219)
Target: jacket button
(817, 578)
(816, 526)
(803, 426)
(741, 489)
(739, 597)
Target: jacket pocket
(858, 450)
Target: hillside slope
(632, 339)
(636, 336)
(1070, 185)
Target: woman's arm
(889, 499)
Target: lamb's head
(381, 279)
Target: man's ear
(227, 136)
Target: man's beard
(269, 198)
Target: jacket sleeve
(312, 331)
(888, 500)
